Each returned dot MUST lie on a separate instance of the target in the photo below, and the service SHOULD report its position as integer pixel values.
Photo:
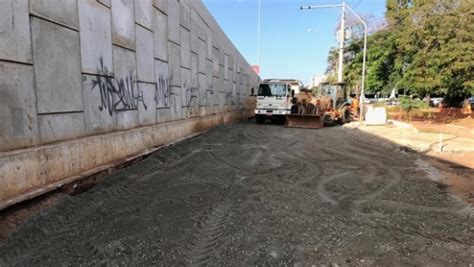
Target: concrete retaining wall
(84, 83)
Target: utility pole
(342, 31)
(341, 46)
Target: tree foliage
(427, 48)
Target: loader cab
(336, 91)
(273, 100)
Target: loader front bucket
(304, 121)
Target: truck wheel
(279, 119)
(260, 119)
(346, 114)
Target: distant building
(317, 79)
(256, 69)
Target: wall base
(30, 172)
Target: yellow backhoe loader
(327, 106)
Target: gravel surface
(247, 194)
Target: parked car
(436, 101)
(393, 102)
(471, 100)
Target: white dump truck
(273, 100)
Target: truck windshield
(272, 89)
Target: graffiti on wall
(116, 94)
(204, 100)
(228, 98)
(191, 99)
(163, 92)
(191, 96)
(125, 94)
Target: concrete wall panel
(174, 64)
(147, 113)
(61, 11)
(127, 96)
(202, 29)
(203, 88)
(194, 32)
(145, 50)
(15, 42)
(185, 14)
(185, 48)
(163, 115)
(160, 33)
(209, 45)
(186, 90)
(60, 126)
(163, 84)
(176, 112)
(226, 66)
(194, 110)
(123, 21)
(96, 38)
(231, 63)
(194, 70)
(99, 115)
(209, 72)
(215, 62)
(221, 57)
(57, 67)
(127, 119)
(202, 56)
(18, 119)
(144, 13)
(174, 21)
(190, 95)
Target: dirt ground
(460, 128)
(247, 194)
(453, 157)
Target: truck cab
(273, 100)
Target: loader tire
(346, 115)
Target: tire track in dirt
(210, 229)
(372, 157)
(374, 170)
(325, 196)
(51, 225)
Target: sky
(294, 42)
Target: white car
(436, 101)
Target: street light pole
(343, 6)
(258, 35)
(364, 58)
(340, 70)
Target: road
(246, 194)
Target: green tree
(427, 48)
